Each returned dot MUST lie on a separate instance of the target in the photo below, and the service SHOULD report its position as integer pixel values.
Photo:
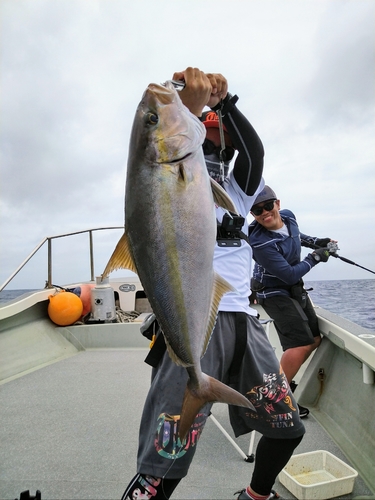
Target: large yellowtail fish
(169, 239)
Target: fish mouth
(182, 158)
(164, 94)
(174, 145)
(174, 161)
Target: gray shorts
(295, 326)
(259, 377)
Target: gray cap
(266, 194)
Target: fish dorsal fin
(121, 258)
(221, 197)
(220, 288)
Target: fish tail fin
(211, 390)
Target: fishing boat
(72, 396)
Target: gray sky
(73, 72)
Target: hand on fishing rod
(201, 89)
(322, 242)
(332, 252)
(321, 254)
(197, 90)
(327, 242)
(219, 90)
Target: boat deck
(70, 429)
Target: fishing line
(169, 468)
(222, 142)
(334, 254)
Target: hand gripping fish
(170, 235)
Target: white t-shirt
(282, 230)
(234, 263)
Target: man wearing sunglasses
(239, 353)
(277, 280)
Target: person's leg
(297, 329)
(271, 455)
(264, 383)
(313, 324)
(277, 417)
(162, 459)
(161, 453)
(149, 487)
(293, 358)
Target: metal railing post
(49, 270)
(22, 265)
(91, 256)
(49, 264)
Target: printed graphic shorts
(259, 377)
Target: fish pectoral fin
(221, 197)
(121, 258)
(210, 390)
(220, 287)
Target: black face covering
(213, 167)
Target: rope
(126, 317)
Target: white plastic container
(103, 301)
(317, 475)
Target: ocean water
(8, 295)
(351, 299)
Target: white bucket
(317, 475)
(103, 301)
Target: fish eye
(152, 118)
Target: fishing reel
(332, 247)
(177, 84)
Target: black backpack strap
(159, 347)
(240, 345)
(157, 350)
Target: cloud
(342, 86)
(72, 74)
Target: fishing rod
(332, 248)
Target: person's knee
(311, 347)
(317, 341)
(145, 486)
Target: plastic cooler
(317, 475)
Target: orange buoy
(64, 308)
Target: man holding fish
(194, 263)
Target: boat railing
(49, 240)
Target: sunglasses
(209, 148)
(259, 210)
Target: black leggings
(271, 457)
(157, 489)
